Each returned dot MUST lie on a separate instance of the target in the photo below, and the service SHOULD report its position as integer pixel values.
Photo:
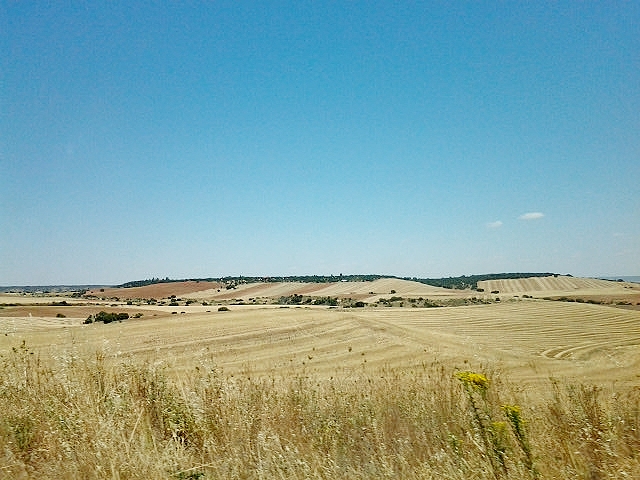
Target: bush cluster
(106, 317)
(296, 299)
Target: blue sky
(144, 139)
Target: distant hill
(459, 283)
(266, 279)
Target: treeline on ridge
(267, 279)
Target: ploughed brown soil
(157, 290)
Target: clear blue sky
(142, 139)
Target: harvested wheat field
(528, 339)
(554, 286)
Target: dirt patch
(80, 311)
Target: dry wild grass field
(517, 388)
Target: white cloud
(531, 216)
(496, 224)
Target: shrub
(105, 317)
(294, 299)
(332, 302)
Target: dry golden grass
(86, 417)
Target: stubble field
(530, 340)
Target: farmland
(282, 370)
(529, 339)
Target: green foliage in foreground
(98, 418)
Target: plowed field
(157, 290)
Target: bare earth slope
(156, 290)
